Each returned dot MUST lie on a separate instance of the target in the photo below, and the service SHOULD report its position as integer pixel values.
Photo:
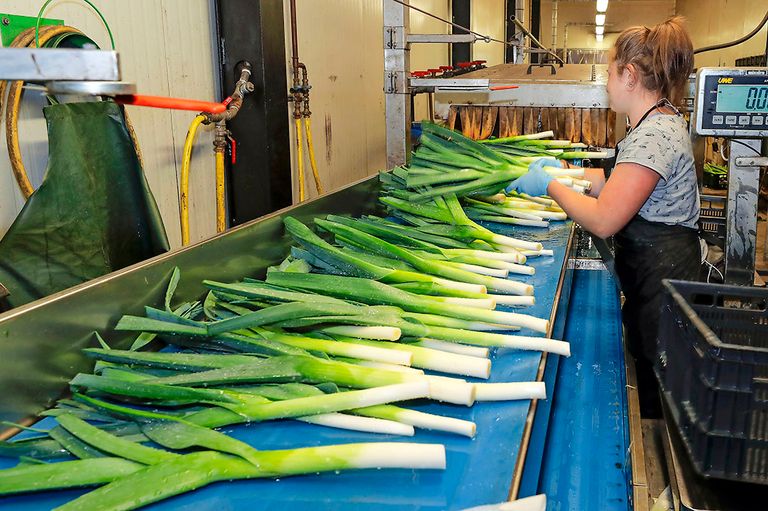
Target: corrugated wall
(165, 47)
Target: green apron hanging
(93, 213)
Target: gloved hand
(536, 180)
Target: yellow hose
(13, 104)
(185, 162)
(300, 159)
(221, 221)
(311, 151)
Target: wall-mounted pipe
(554, 24)
(300, 97)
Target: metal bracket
(394, 38)
(741, 217)
(395, 82)
(752, 161)
(51, 64)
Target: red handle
(172, 103)
(504, 87)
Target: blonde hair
(662, 56)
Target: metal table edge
(169, 255)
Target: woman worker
(650, 203)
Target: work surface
(479, 471)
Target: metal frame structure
(515, 10)
(396, 92)
(744, 164)
(55, 64)
(259, 182)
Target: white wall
(165, 48)
(341, 42)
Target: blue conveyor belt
(586, 465)
(479, 470)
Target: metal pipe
(294, 45)
(554, 24)
(242, 87)
(534, 40)
(565, 42)
(296, 89)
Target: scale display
(742, 98)
(731, 102)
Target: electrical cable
(13, 103)
(186, 160)
(740, 40)
(746, 145)
(485, 38)
(311, 152)
(40, 16)
(221, 201)
(713, 267)
(300, 158)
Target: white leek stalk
(420, 419)
(357, 423)
(451, 347)
(510, 391)
(514, 300)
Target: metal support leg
(461, 14)
(741, 220)
(396, 93)
(514, 53)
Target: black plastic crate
(713, 367)
(720, 456)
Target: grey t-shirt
(662, 144)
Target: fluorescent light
(599, 20)
(599, 31)
(602, 5)
(599, 38)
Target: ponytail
(662, 56)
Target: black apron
(646, 253)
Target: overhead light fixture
(602, 5)
(599, 38)
(599, 31)
(599, 20)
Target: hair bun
(662, 55)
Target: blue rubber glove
(536, 180)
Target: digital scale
(733, 103)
